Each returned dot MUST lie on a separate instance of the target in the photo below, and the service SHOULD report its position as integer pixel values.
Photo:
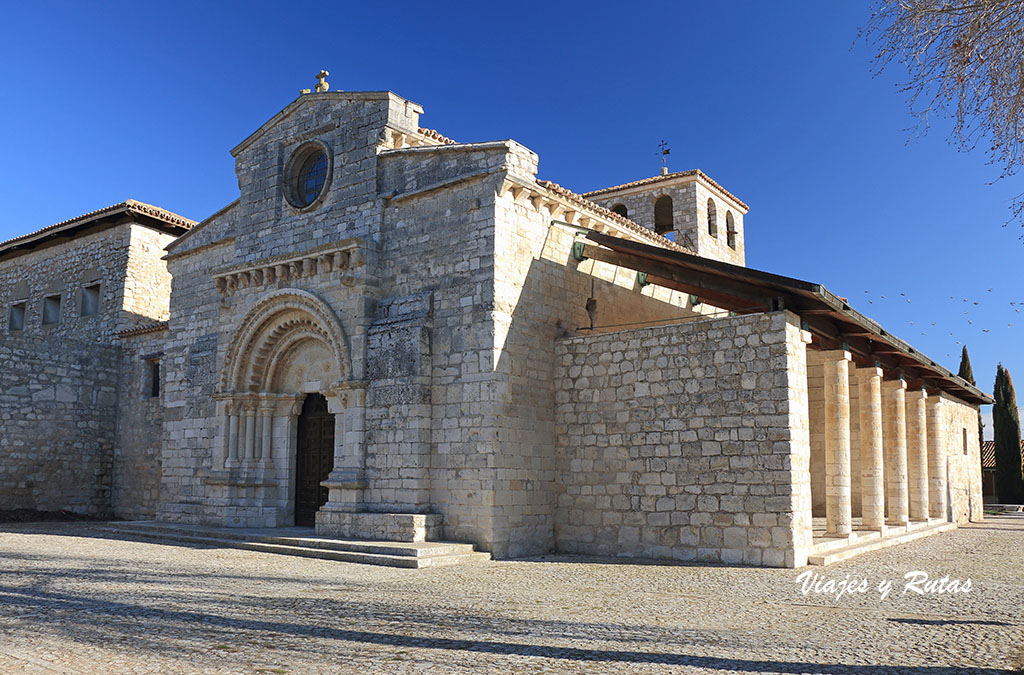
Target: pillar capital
(917, 394)
(898, 383)
(869, 371)
(837, 354)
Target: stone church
(394, 336)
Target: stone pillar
(837, 443)
(249, 408)
(895, 441)
(266, 434)
(917, 454)
(233, 435)
(224, 447)
(872, 464)
(937, 507)
(346, 482)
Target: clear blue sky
(776, 101)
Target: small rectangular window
(153, 378)
(17, 319)
(91, 300)
(51, 310)
(965, 441)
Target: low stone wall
(686, 441)
(58, 402)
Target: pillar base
(407, 527)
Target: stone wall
(139, 433)
(147, 283)
(64, 270)
(58, 401)
(687, 441)
(542, 293)
(437, 246)
(964, 458)
(190, 371)
(125, 260)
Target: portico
(900, 448)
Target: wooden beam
(712, 290)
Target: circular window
(309, 169)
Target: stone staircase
(303, 542)
(828, 550)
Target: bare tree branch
(965, 60)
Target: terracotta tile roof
(988, 454)
(437, 136)
(615, 217)
(154, 327)
(658, 179)
(127, 206)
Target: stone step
(835, 555)
(824, 543)
(415, 556)
(302, 536)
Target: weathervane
(665, 152)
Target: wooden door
(314, 459)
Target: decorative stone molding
(279, 320)
(337, 258)
(346, 394)
(569, 207)
(395, 139)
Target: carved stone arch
(273, 328)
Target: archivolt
(280, 321)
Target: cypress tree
(1006, 426)
(967, 373)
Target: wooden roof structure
(832, 322)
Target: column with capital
(249, 413)
(267, 408)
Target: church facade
(390, 335)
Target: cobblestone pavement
(73, 600)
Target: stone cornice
(341, 256)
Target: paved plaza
(73, 599)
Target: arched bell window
(663, 215)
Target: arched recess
(712, 218)
(288, 345)
(621, 210)
(284, 323)
(663, 215)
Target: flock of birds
(970, 314)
